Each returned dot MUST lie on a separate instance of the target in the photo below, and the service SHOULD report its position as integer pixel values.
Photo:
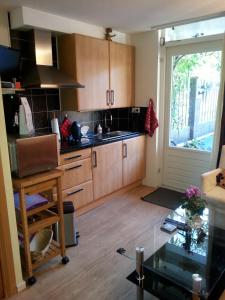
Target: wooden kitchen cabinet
(121, 75)
(133, 159)
(70, 157)
(77, 184)
(107, 169)
(105, 68)
(80, 195)
(76, 173)
(86, 59)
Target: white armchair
(213, 194)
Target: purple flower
(193, 191)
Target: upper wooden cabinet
(121, 75)
(105, 68)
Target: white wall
(25, 17)
(146, 78)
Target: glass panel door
(191, 95)
(195, 82)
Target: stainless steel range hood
(43, 74)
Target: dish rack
(32, 221)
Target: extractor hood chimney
(43, 74)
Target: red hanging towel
(151, 122)
(65, 127)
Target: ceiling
(124, 15)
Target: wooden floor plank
(95, 270)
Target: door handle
(112, 100)
(78, 166)
(94, 159)
(124, 150)
(72, 157)
(75, 192)
(107, 97)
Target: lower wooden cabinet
(77, 184)
(76, 173)
(102, 170)
(133, 160)
(107, 169)
(80, 195)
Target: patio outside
(194, 96)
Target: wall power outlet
(136, 110)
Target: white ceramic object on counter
(84, 130)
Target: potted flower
(193, 204)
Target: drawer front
(80, 195)
(76, 173)
(68, 158)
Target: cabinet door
(122, 74)
(107, 169)
(92, 67)
(86, 59)
(133, 159)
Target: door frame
(185, 47)
(6, 254)
(9, 246)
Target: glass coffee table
(171, 271)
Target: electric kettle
(76, 131)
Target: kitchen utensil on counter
(26, 126)
(76, 131)
(84, 131)
(55, 126)
(99, 129)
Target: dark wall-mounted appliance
(9, 63)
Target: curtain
(222, 126)
(219, 136)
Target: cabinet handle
(124, 150)
(78, 166)
(112, 100)
(72, 157)
(107, 97)
(94, 159)
(75, 192)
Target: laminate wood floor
(95, 270)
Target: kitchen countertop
(95, 141)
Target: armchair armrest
(208, 180)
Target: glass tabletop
(199, 250)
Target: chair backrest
(222, 158)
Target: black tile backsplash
(45, 102)
(53, 102)
(122, 119)
(39, 103)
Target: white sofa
(213, 194)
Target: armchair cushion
(208, 180)
(216, 197)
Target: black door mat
(165, 197)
